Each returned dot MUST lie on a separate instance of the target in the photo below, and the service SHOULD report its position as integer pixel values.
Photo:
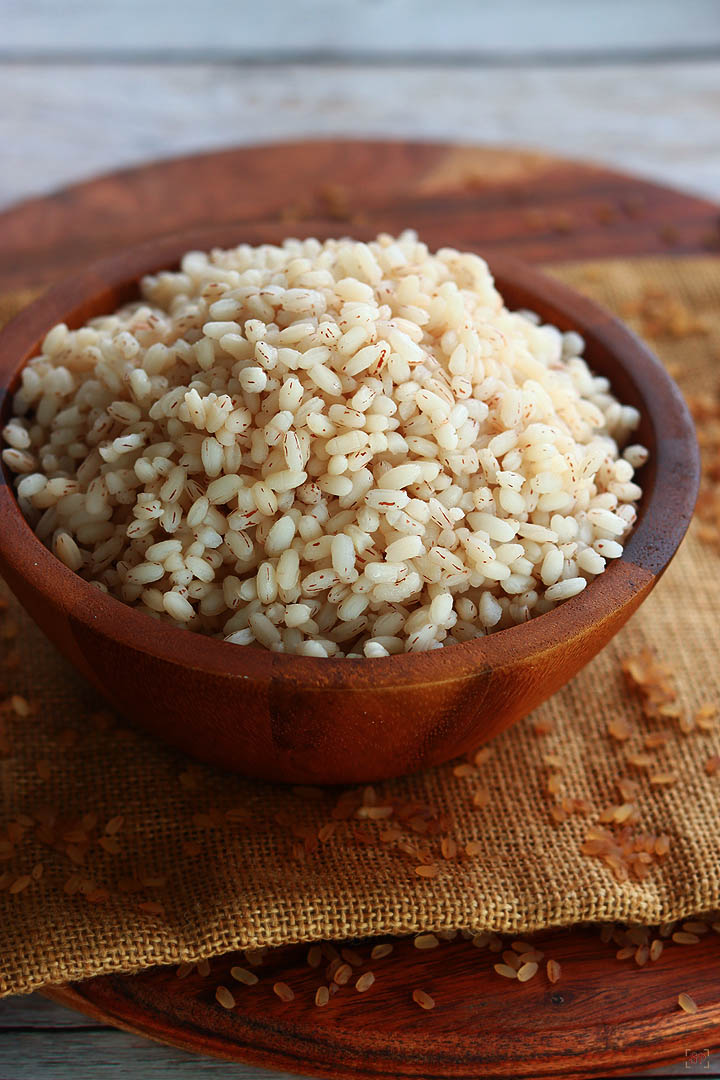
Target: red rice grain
(254, 957)
(151, 907)
(426, 941)
(641, 955)
(531, 955)
(242, 975)
(423, 1000)
(448, 847)
(619, 729)
(20, 705)
(481, 755)
(554, 971)
(350, 956)
(664, 779)
(521, 947)
(506, 971)
(695, 926)
(224, 998)
(314, 956)
(342, 974)
(681, 937)
(379, 951)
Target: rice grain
(224, 998)
(376, 447)
(283, 991)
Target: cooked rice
(330, 449)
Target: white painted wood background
(88, 86)
(92, 85)
(375, 28)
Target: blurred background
(89, 86)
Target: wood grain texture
(42, 1039)
(602, 1017)
(304, 720)
(37, 233)
(526, 204)
(70, 121)
(284, 28)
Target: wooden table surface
(91, 87)
(88, 88)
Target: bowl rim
(644, 558)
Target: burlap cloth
(187, 880)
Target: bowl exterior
(309, 720)
(307, 729)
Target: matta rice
(327, 449)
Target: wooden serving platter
(525, 203)
(605, 1016)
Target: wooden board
(525, 203)
(605, 1016)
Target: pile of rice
(330, 449)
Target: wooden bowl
(308, 720)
